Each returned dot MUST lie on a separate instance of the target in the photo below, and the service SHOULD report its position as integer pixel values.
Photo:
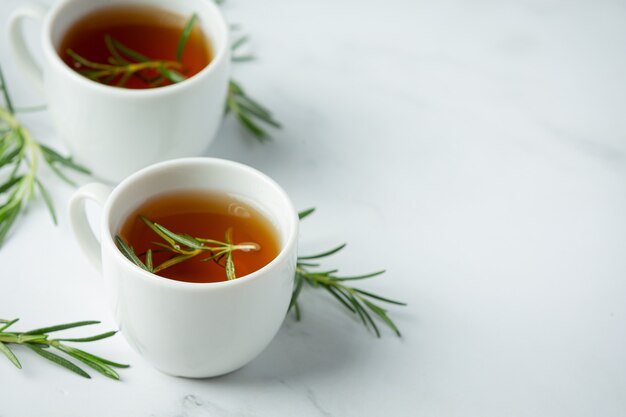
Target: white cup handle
(86, 238)
(21, 53)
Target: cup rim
(106, 237)
(223, 53)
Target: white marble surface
(477, 150)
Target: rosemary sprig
(39, 341)
(357, 301)
(245, 109)
(236, 45)
(20, 157)
(184, 247)
(125, 63)
(248, 111)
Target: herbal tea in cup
(135, 46)
(223, 236)
(198, 236)
(93, 48)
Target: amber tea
(205, 215)
(115, 36)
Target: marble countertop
(476, 150)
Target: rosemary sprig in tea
(39, 341)
(20, 157)
(120, 70)
(355, 300)
(124, 63)
(184, 247)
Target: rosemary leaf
(10, 183)
(5, 94)
(358, 308)
(149, 260)
(93, 364)
(165, 236)
(243, 58)
(11, 156)
(63, 160)
(31, 109)
(124, 79)
(230, 267)
(296, 308)
(382, 313)
(336, 293)
(59, 360)
(60, 327)
(116, 58)
(87, 63)
(7, 219)
(129, 253)
(305, 213)
(299, 281)
(172, 261)
(378, 297)
(90, 338)
(131, 53)
(364, 276)
(9, 354)
(215, 256)
(239, 42)
(184, 36)
(7, 324)
(368, 317)
(60, 174)
(248, 123)
(311, 264)
(166, 233)
(324, 254)
(47, 199)
(104, 361)
(172, 75)
(256, 112)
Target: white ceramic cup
(191, 329)
(116, 131)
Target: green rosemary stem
(26, 185)
(126, 70)
(360, 303)
(39, 341)
(185, 247)
(20, 156)
(5, 93)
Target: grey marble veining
(193, 406)
(475, 150)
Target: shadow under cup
(199, 329)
